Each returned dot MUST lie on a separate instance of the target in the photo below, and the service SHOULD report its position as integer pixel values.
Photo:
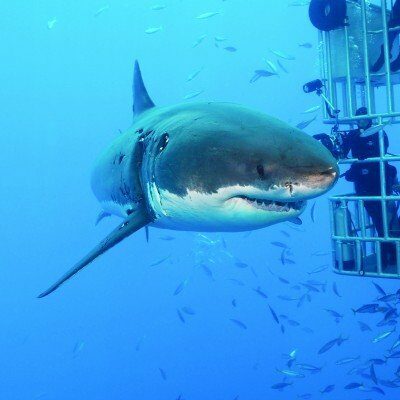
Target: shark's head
(227, 168)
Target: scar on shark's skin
(204, 167)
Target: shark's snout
(299, 178)
(312, 182)
(329, 176)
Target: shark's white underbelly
(206, 212)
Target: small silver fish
(282, 67)
(335, 289)
(293, 354)
(280, 244)
(349, 360)
(293, 374)
(364, 327)
(194, 74)
(180, 316)
(311, 110)
(180, 287)
(285, 233)
(207, 271)
(160, 261)
(309, 367)
(321, 253)
(272, 66)
(238, 323)
(261, 73)
(193, 95)
(188, 310)
(318, 269)
(379, 289)
(260, 292)
(158, 7)
(140, 342)
(306, 45)
(79, 345)
(101, 10)
(274, 316)
(329, 345)
(304, 124)
(281, 385)
(219, 39)
(153, 30)
(382, 336)
(207, 15)
(241, 264)
(199, 40)
(163, 374)
(354, 385)
(283, 55)
(51, 23)
(167, 238)
(328, 389)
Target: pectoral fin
(133, 223)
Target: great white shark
(208, 166)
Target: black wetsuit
(366, 176)
(393, 22)
(366, 179)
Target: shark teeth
(277, 206)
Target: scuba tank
(343, 250)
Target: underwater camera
(313, 86)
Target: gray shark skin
(205, 167)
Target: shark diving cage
(352, 34)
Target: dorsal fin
(141, 99)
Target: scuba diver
(366, 176)
(394, 22)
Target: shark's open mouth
(273, 205)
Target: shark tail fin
(134, 222)
(141, 99)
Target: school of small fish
(270, 68)
(365, 373)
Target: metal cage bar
(366, 54)
(386, 51)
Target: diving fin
(132, 224)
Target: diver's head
(364, 123)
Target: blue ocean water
(186, 316)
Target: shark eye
(260, 171)
(163, 142)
